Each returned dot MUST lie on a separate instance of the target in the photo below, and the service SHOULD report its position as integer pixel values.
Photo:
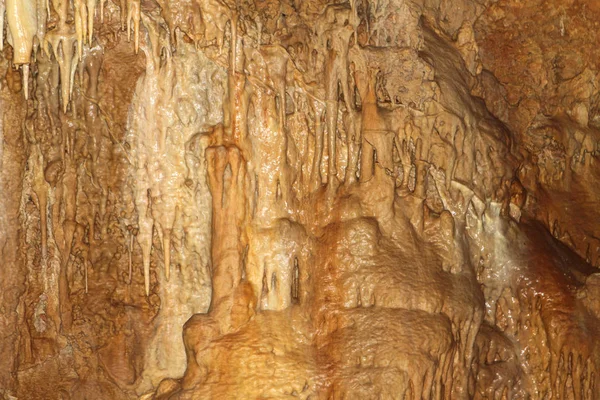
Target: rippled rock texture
(253, 199)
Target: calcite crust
(277, 199)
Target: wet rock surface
(299, 199)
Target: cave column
(227, 175)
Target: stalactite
(81, 25)
(22, 24)
(62, 42)
(133, 21)
(91, 12)
(144, 236)
(372, 198)
(336, 75)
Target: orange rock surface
(260, 199)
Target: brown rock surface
(252, 199)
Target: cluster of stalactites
(27, 31)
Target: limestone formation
(251, 199)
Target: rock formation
(251, 199)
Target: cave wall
(313, 199)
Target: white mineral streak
(311, 191)
(174, 103)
